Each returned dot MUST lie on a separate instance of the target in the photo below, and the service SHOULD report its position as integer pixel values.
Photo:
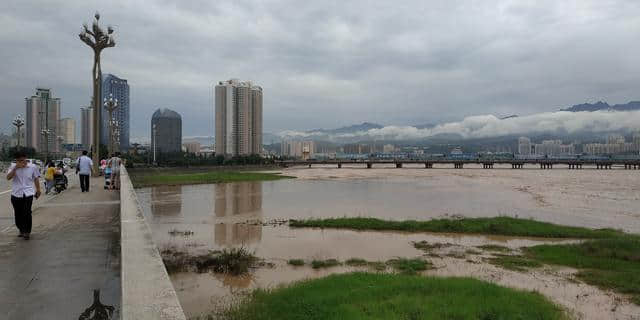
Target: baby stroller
(107, 178)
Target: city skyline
(386, 64)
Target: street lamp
(111, 105)
(46, 133)
(97, 39)
(18, 122)
(155, 138)
(60, 140)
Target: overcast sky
(328, 63)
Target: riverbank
(185, 176)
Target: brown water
(231, 215)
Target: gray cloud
(329, 63)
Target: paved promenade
(74, 250)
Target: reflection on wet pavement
(97, 310)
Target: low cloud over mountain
(486, 126)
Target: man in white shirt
(25, 186)
(84, 168)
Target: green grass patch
(494, 247)
(606, 263)
(498, 225)
(328, 263)
(164, 179)
(357, 296)
(296, 262)
(409, 266)
(516, 263)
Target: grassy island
(179, 178)
(505, 226)
(393, 296)
(609, 259)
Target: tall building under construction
(238, 120)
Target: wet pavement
(70, 267)
(199, 218)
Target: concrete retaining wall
(147, 292)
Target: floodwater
(249, 214)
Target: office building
(119, 89)
(166, 131)
(42, 113)
(86, 127)
(68, 130)
(238, 118)
(524, 146)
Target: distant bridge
(629, 164)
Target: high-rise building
(68, 130)
(238, 119)
(524, 146)
(119, 89)
(192, 147)
(166, 131)
(86, 127)
(42, 113)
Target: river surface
(249, 214)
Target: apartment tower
(42, 113)
(238, 119)
(118, 88)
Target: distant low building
(192, 147)
(554, 148)
(298, 149)
(524, 146)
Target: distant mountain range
(365, 126)
(633, 105)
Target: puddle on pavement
(197, 219)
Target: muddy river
(249, 214)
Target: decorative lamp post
(111, 105)
(18, 122)
(60, 140)
(45, 133)
(97, 39)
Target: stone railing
(147, 292)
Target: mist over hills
(583, 121)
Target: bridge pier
(369, 165)
(339, 165)
(459, 165)
(487, 165)
(428, 165)
(398, 165)
(309, 165)
(546, 166)
(517, 166)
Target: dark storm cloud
(329, 63)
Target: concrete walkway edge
(147, 291)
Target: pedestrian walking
(84, 169)
(49, 172)
(114, 164)
(25, 186)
